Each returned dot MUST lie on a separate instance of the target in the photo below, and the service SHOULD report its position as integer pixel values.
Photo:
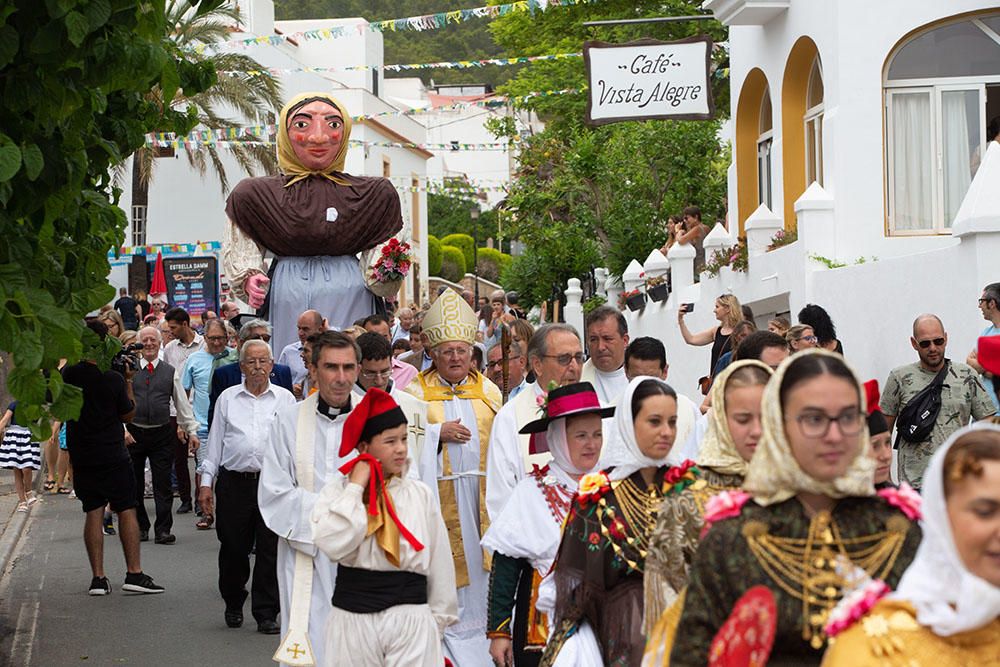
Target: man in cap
(462, 404)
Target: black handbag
(917, 418)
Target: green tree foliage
(75, 76)
(453, 215)
(492, 263)
(463, 242)
(470, 40)
(433, 255)
(452, 263)
(587, 196)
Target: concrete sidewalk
(12, 522)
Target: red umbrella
(159, 285)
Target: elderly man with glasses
(231, 375)
(962, 396)
(233, 459)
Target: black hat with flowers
(578, 398)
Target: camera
(126, 359)
(688, 307)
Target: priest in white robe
(554, 354)
(606, 332)
(462, 403)
(302, 458)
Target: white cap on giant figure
(450, 318)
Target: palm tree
(250, 96)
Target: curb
(15, 528)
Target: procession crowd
(493, 494)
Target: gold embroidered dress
(774, 542)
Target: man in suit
(231, 375)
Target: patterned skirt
(18, 451)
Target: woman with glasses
(601, 560)
(811, 506)
(734, 429)
(946, 611)
(801, 337)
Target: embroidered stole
(435, 393)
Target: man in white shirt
(607, 338)
(184, 342)
(239, 436)
(555, 355)
(310, 322)
(401, 331)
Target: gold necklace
(639, 509)
(805, 569)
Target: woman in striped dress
(20, 454)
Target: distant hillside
(466, 41)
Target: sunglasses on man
(938, 342)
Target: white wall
(854, 38)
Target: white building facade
(864, 127)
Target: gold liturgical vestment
(486, 400)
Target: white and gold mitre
(450, 318)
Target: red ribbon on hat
(376, 489)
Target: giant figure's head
(313, 133)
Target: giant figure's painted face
(316, 131)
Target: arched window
(942, 88)
(765, 140)
(814, 125)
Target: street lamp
(474, 214)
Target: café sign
(649, 79)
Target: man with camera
(102, 470)
(152, 434)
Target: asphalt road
(48, 619)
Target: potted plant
(633, 299)
(657, 289)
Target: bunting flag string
(208, 140)
(265, 132)
(458, 64)
(168, 249)
(410, 23)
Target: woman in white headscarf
(811, 503)
(525, 535)
(734, 429)
(599, 568)
(946, 611)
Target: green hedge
(433, 255)
(452, 263)
(464, 243)
(492, 264)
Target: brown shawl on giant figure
(304, 213)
